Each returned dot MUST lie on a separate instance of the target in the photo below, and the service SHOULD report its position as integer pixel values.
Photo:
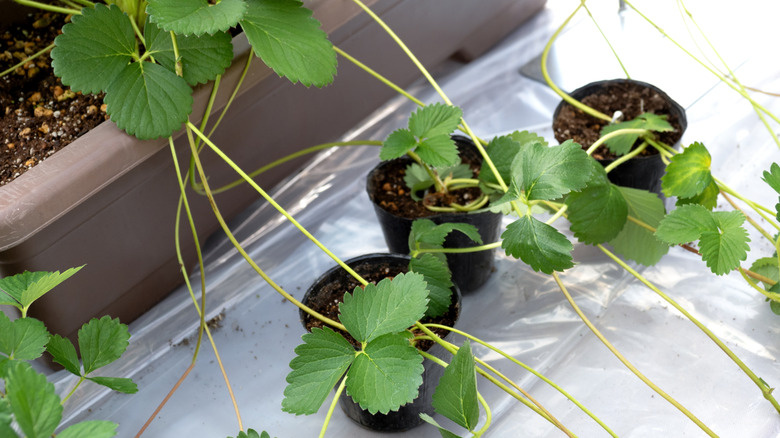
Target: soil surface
(392, 194)
(328, 298)
(631, 99)
(38, 115)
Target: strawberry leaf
(148, 101)
(386, 374)
(34, 402)
(724, 248)
(456, 395)
(102, 341)
(636, 242)
(688, 173)
(438, 278)
(90, 429)
(27, 287)
(546, 173)
(597, 213)
(288, 40)
(435, 120)
(94, 48)
(64, 353)
(622, 144)
(202, 57)
(318, 365)
(539, 245)
(685, 224)
(390, 306)
(188, 17)
(707, 198)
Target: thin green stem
(488, 416)
(546, 53)
(237, 245)
(378, 76)
(486, 247)
(50, 8)
(333, 404)
(81, 379)
(728, 69)
(233, 95)
(183, 202)
(561, 211)
(774, 296)
(614, 134)
(472, 206)
(625, 361)
(529, 369)
(290, 157)
(765, 389)
(703, 64)
(28, 59)
(614, 52)
(762, 211)
(625, 157)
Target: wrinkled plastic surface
(518, 310)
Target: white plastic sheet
(518, 310)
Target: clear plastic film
(520, 311)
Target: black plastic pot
(408, 415)
(469, 270)
(642, 172)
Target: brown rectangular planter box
(108, 201)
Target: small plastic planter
(642, 172)
(469, 270)
(408, 415)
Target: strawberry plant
(29, 401)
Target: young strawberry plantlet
(30, 400)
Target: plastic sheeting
(518, 310)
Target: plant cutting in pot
(435, 179)
(628, 104)
(327, 297)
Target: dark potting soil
(629, 98)
(38, 115)
(393, 195)
(328, 298)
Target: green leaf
(148, 101)
(707, 198)
(597, 213)
(437, 275)
(501, 151)
(546, 173)
(29, 286)
(387, 307)
(386, 375)
(688, 173)
(444, 432)
(426, 234)
(120, 384)
(64, 353)
(22, 339)
(34, 402)
(397, 144)
(622, 144)
(288, 40)
(251, 433)
(724, 248)
(202, 58)
(318, 365)
(456, 395)
(539, 245)
(93, 48)
(187, 17)
(685, 224)
(90, 429)
(8, 300)
(636, 242)
(435, 120)
(5, 420)
(439, 151)
(772, 177)
(102, 341)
